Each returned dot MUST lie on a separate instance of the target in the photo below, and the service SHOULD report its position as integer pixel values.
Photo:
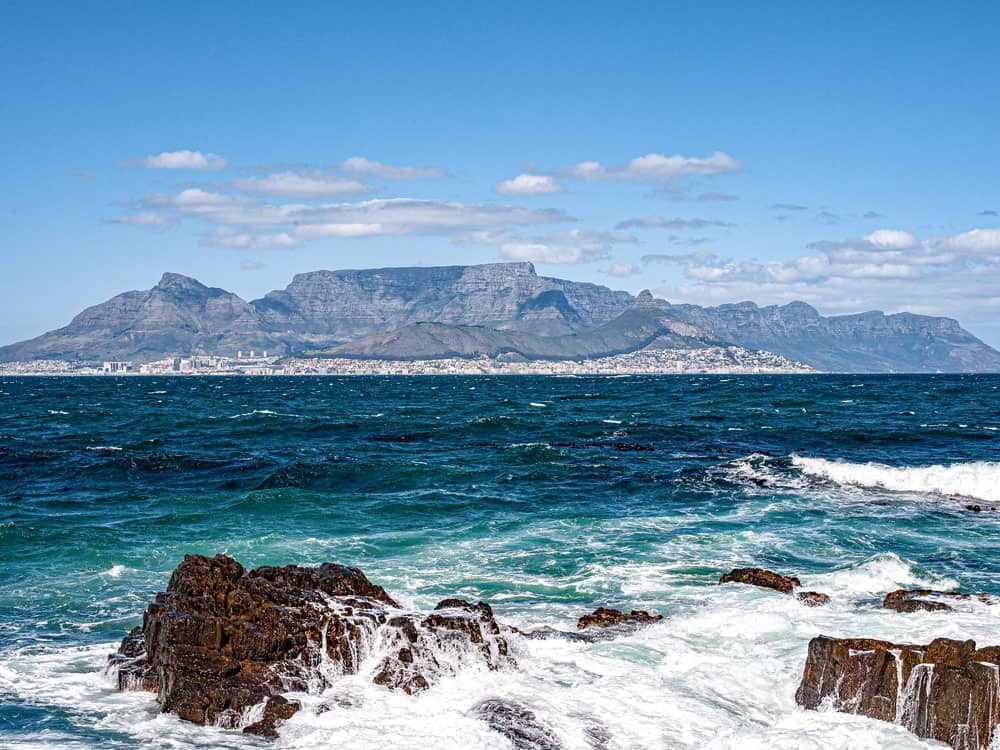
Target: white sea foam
(111, 448)
(976, 479)
(720, 672)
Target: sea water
(545, 497)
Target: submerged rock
(947, 690)
(812, 598)
(222, 645)
(603, 617)
(927, 600)
(517, 724)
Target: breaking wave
(976, 479)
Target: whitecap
(976, 479)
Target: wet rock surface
(767, 579)
(517, 724)
(222, 645)
(603, 617)
(927, 600)
(812, 598)
(946, 691)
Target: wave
(975, 479)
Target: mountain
(346, 305)
(504, 307)
(178, 315)
(865, 342)
(643, 325)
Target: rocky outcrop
(946, 691)
(926, 600)
(223, 645)
(603, 617)
(768, 579)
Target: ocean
(544, 496)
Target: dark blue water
(545, 496)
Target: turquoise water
(544, 496)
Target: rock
(764, 578)
(927, 600)
(223, 644)
(517, 724)
(768, 579)
(946, 691)
(812, 598)
(603, 618)
(277, 709)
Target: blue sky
(846, 155)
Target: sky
(845, 154)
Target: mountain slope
(640, 326)
(178, 315)
(865, 342)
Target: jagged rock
(812, 598)
(603, 617)
(945, 691)
(764, 578)
(927, 600)
(517, 724)
(223, 644)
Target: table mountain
(411, 312)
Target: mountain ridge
(324, 310)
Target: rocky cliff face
(346, 305)
(947, 690)
(323, 309)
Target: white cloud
(891, 239)
(657, 168)
(362, 166)
(185, 160)
(976, 241)
(300, 186)
(250, 222)
(575, 246)
(152, 222)
(622, 270)
(658, 222)
(529, 184)
(251, 265)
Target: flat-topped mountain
(410, 313)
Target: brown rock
(812, 598)
(946, 691)
(222, 640)
(603, 617)
(767, 579)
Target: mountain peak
(178, 282)
(644, 299)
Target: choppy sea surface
(546, 497)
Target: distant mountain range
(502, 309)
